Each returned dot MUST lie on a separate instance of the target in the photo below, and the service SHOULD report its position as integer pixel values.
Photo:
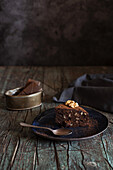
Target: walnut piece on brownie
(71, 115)
(71, 103)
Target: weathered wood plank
(52, 82)
(10, 119)
(46, 152)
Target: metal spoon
(61, 131)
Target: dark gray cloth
(95, 90)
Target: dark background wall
(56, 32)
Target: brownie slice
(71, 117)
(32, 86)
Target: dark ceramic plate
(98, 124)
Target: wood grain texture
(21, 149)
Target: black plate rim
(56, 138)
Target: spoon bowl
(59, 132)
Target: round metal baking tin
(23, 102)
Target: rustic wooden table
(21, 149)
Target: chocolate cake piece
(32, 86)
(71, 117)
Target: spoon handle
(33, 126)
